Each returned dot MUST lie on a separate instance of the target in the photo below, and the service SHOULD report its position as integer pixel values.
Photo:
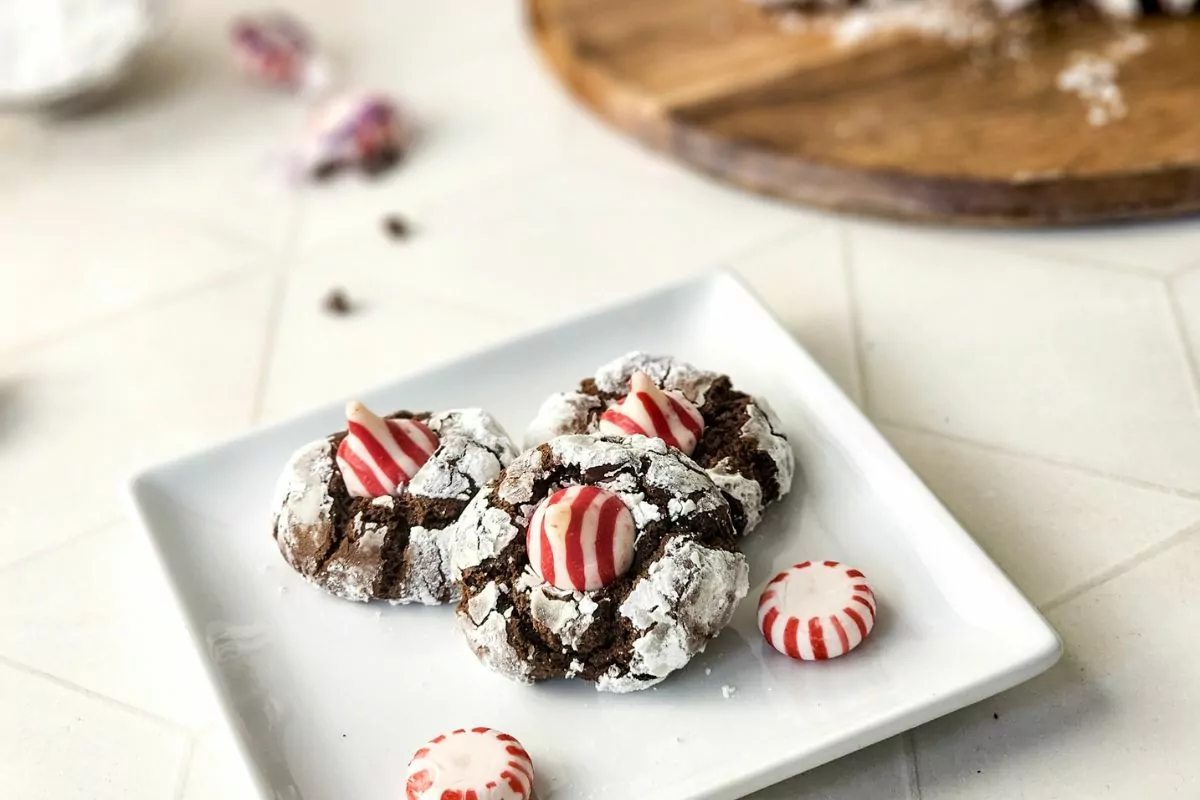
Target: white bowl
(110, 62)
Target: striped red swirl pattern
(470, 764)
(817, 610)
(649, 411)
(580, 538)
(379, 456)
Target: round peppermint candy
(470, 764)
(816, 610)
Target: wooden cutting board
(896, 126)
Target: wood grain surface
(896, 126)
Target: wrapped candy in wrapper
(359, 130)
(274, 48)
(368, 132)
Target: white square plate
(329, 698)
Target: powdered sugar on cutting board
(957, 22)
(1092, 77)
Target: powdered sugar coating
(473, 449)
(667, 372)
(579, 412)
(353, 578)
(763, 426)
(483, 530)
(576, 412)
(566, 614)
(687, 595)
(488, 635)
(563, 413)
(746, 491)
(427, 567)
(302, 501)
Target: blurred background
(172, 274)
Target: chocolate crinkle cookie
(609, 559)
(736, 438)
(363, 512)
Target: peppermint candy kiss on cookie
(379, 456)
(816, 610)
(649, 411)
(470, 764)
(580, 538)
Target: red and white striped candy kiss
(379, 456)
(470, 764)
(816, 610)
(650, 411)
(580, 538)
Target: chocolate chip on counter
(396, 226)
(326, 171)
(336, 302)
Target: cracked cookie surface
(742, 447)
(386, 548)
(681, 590)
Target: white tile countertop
(159, 291)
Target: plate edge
(129, 491)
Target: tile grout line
(1053, 462)
(220, 232)
(63, 683)
(1174, 277)
(764, 245)
(851, 287)
(105, 320)
(1075, 260)
(185, 767)
(1068, 259)
(1125, 567)
(1191, 364)
(69, 541)
(914, 771)
(266, 358)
